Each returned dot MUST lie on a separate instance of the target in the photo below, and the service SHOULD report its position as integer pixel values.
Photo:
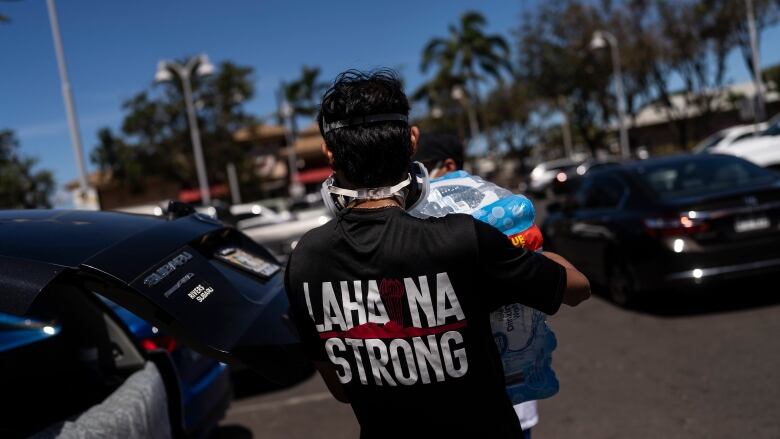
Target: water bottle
(522, 336)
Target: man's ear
(449, 165)
(327, 152)
(415, 138)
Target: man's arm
(328, 373)
(577, 285)
(518, 275)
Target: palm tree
(5, 18)
(303, 94)
(468, 53)
(437, 95)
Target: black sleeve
(516, 275)
(301, 320)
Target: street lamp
(600, 40)
(199, 66)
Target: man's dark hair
(371, 154)
(435, 148)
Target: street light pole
(601, 39)
(67, 94)
(184, 72)
(758, 112)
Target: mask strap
(371, 193)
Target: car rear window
(696, 177)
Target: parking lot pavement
(304, 411)
(708, 369)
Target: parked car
(670, 222)
(70, 355)
(206, 388)
(566, 181)
(543, 175)
(204, 383)
(724, 138)
(763, 150)
(281, 235)
(185, 276)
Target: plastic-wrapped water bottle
(524, 340)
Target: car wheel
(621, 288)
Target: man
(393, 309)
(442, 154)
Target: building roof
(259, 132)
(94, 179)
(655, 113)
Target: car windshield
(773, 130)
(697, 177)
(709, 142)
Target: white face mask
(411, 191)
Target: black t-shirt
(400, 306)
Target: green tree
(155, 137)
(21, 186)
(696, 42)
(771, 77)
(556, 63)
(303, 93)
(508, 108)
(445, 113)
(733, 20)
(467, 55)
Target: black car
(207, 285)
(567, 179)
(670, 222)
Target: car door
(591, 227)
(208, 285)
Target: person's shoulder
(455, 232)
(451, 219)
(314, 242)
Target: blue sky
(113, 47)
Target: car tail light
(159, 342)
(675, 226)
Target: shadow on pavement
(247, 383)
(231, 432)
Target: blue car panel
(205, 383)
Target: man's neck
(376, 204)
